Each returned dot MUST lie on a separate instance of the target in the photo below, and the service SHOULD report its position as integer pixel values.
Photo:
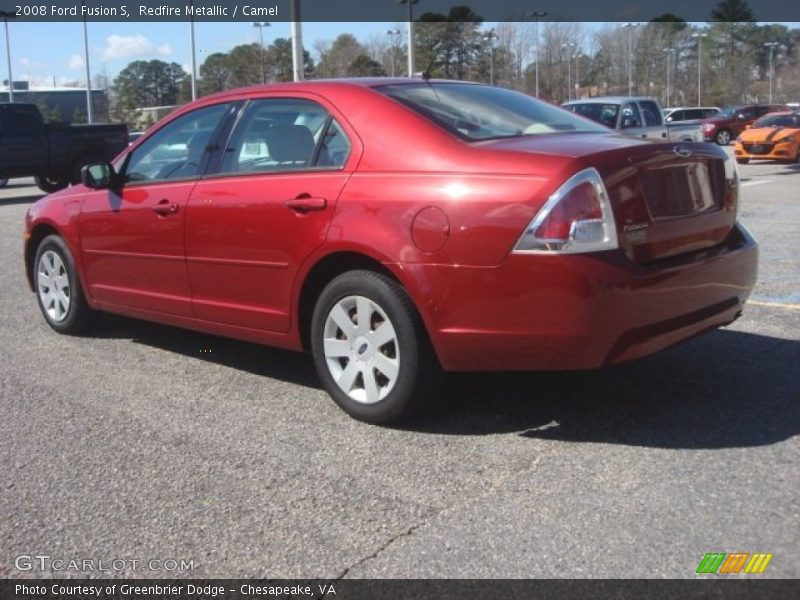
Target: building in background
(60, 104)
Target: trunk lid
(668, 198)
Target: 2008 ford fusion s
(399, 228)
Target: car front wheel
(58, 289)
(723, 137)
(370, 348)
(49, 184)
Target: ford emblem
(682, 151)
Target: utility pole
(536, 16)
(668, 52)
(89, 118)
(410, 4)
(699, 37)
(491, 37)
(392, 33)
(261, 26)
(771, 46)
(569, 46)
(630, 27)
(6, 16)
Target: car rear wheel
(370, 348)
(58, 288)
(723, 137)
(50, 184)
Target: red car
(731, 121)
(395, 228)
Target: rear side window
(650, 113)
(630, 116)
(19, 119)
(284, 134)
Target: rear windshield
(480, 112)
(778, 121)
(730, 111)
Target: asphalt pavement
(141, 442)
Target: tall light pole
(192, 55)
(298, 54)
(569, 46)
(88, 72)
(392, 33)
(699, 37)
(6, 16)
(261, 26)
(668, 52)
(771, 46)
(577, 75)
(536, 16)
(490, 37)
(410, 4)
(630, 27)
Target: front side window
(284, 134)
(178, 150)
(478, 112)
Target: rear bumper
(583, 312)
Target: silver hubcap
(724, 137)
(361, 349)
(53, 286)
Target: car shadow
(292, 367)
(727, 389)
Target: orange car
(774, 136)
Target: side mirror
(741, 116)
(97, 176)
(668, 119)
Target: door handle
(165, 208)
(306, 203)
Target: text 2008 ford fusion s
(399, 228)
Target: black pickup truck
(52, 153)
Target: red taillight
(577, 217)
(580, 204)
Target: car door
(132, 239)
(631, 120)
(252, 225)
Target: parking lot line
(774, 304)
(757, 182)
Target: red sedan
(397, 228)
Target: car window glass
(276, 134)
(650, 113)
(335, 147)
(677, 115)
(605, 114)
(177, 150)
(693, 114)
(481, 112)
(630, 116)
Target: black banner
(381, 10)
(461, 589)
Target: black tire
(723, 137)
(79, 315)
(417, 369)
(742, 161)
(3, 182)
(50, 184)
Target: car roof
(320, 84)
(608, 100)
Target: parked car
(732, 121)
(52, 153)
(774, 136)
(503, 234)
(681, 114)
(636, 117)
